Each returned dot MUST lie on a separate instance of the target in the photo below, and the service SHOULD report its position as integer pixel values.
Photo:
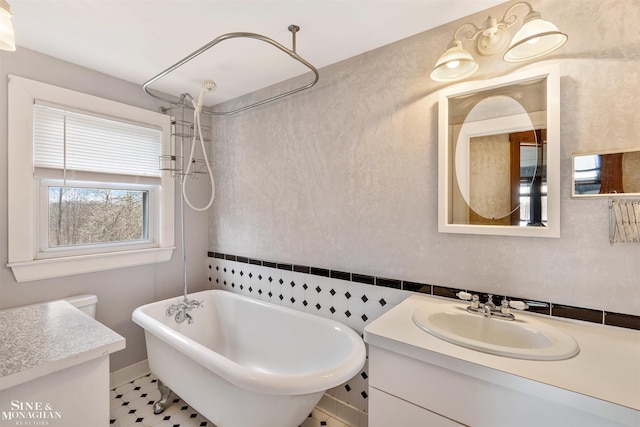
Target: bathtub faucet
(181, 310)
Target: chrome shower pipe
(292, 53)
(294, 29)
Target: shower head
(207, 86)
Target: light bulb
(7, 37)
(453, 64)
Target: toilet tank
(85, 302)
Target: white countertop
(40, 339)
(607, 366)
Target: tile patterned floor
(132, 405)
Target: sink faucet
(486, 310)
(490, 303)
(489, 308)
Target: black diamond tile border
(547, 308)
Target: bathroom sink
(521, 338)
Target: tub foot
(165, 392)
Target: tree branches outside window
(83, 216)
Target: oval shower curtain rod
(291, 52)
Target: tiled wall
(354, 300)
(366, 288)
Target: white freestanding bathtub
(244, 362)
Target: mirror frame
(446, 155)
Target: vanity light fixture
(7, 37)
(535, 38)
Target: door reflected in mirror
(508, 180)
(499, 165)
(606, 174)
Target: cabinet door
(386, 410)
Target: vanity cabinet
(417, 380)
(411, 393)
(388, 410)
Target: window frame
(24, 187)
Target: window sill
(28, 271)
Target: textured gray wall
(119, 291)
(344, 176)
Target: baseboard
(128, 374)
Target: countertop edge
(44, 338)
(59, 365)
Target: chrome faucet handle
(466, 296)
(475, 301)
(504, 306)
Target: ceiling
(136, 40)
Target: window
(78, 218)
(99, 216)
(85, 190)
(587, 174)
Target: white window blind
(73, 141)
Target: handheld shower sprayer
(207, 86)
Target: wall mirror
(606, 174)
(499, 155)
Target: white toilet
(85, 302)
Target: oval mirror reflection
(485, 155)
(500, 161)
